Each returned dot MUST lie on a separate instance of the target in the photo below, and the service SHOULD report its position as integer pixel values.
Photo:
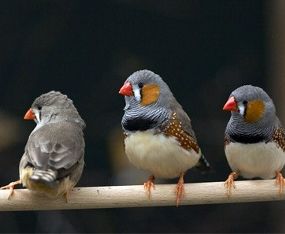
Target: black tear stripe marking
(248, 139)
(139, 124)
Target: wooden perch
(135, 196)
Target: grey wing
(185, 120)
(56, 147)
(182, 116)
(203, 164)
(278, 124)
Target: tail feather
(203, 164)
(47, 177)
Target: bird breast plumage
(261, 159)
(159, 154)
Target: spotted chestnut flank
(174, 128)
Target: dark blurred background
(86, 49)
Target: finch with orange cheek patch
(254, 137)
(53, 160)
(159, 135)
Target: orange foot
(180, 189)
(66, 196)
(280, 181)
(11, 187)
(149, 185)
(230, 183)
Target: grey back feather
(56, 147)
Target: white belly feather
(255, 160)
(159, 154)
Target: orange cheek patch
(150, 94)
(254, 111)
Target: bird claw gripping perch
(280, 181)
(148, 185)
(180, 192)
(11, 187)
(230, 183)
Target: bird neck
(142, 118)
(241, 131)
(72, 117)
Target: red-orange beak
(30, 115)
(126, 89)
(230, 105)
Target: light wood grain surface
(135, 196)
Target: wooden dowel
(135, 196)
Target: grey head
(149, 101)
(55, 107)
(253, 116)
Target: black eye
(39, 108)
(140, 85)
(244, 102)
